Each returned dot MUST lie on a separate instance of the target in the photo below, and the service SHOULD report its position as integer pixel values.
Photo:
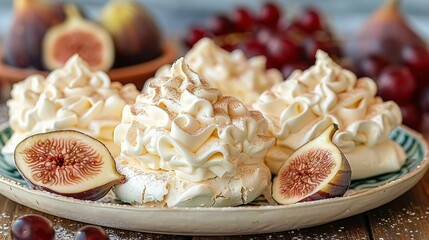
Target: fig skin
(384, 34)
(31, 20)
(135, 34)
(68, 163)
(78, 36)
(332, 185)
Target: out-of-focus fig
(31, 20)
(135, 34)
(384, 34)
(81, 36)
(68, 163)
(316, 170)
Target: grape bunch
(35, 227)
(287, 45)
(404, 80)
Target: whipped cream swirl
(301, 107)
(183, 125)
(72, 97)
(232, 73)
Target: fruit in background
(287, 69)
(90, 232)
(31, 20)
(371, 66)
(77, 35)
(32, 227)
(195, 34)
(282, 51)
(322, 42)
(316, 170)
(384, 33)
(309, 21)
(417, 60)
(388, 50)
(68, 163)
(411, 116)
(270, 15)
(263, 33)
(136, 36)
(242, 19)
(396, 83)
(220, 25)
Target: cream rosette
(191, 137)
(301, 107)
(72, 97)
(232, 73)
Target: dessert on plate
(299, 108)
(183, 143)
(72, 97)
(232, 73)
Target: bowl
(136, 74)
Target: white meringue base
(164, 188)
(384, 157)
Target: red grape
(287, 69)
(242, 19)
(270, 15)
(282, 50)
(228, 47)
(263, 35)
(310, 20)
(417, 59)
(251, 47)
(424, 99)
(411, 116)
(311, 45)
(195, 34)
(90, 232)
(396, 83)
(372, 66)
(32, 227)
(220, 25)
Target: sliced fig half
(316, 170)
(78, 36)
(68, 163)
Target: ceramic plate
(251, 219)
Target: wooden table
(405, 218)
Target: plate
(255, 218)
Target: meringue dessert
(232, 73)
(299, 108)
(184, 144)
(73, 98)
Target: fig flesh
(78, 35)
(68, 163)
(316, 170)
(31, 20)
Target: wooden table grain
(405, 218)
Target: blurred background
(174, 17)
(384, 40)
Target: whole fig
(31, 20)
(384, 34)
(135, 35)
